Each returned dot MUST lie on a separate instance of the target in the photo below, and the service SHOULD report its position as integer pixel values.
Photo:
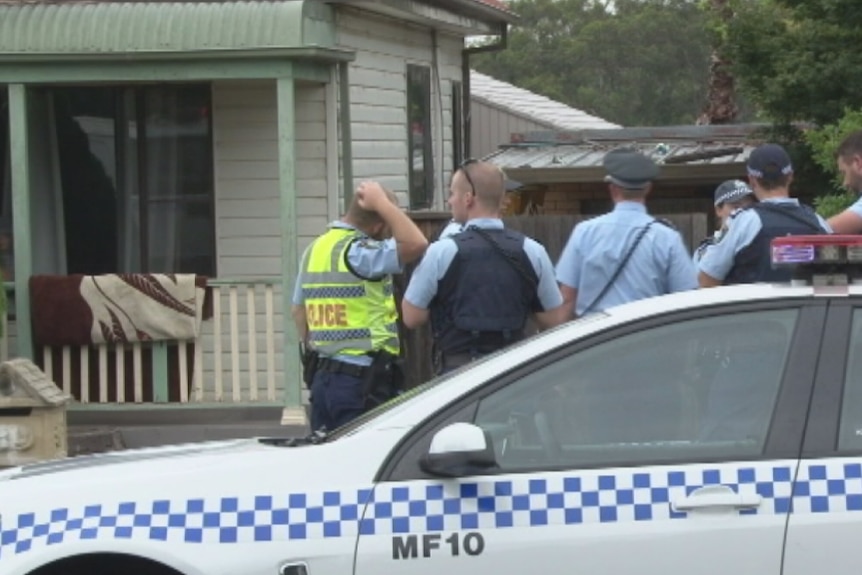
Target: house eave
(311, 53)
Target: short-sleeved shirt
(856, 208)
(440, 254)
(743, 227)
(660, 264)
(371, 258)
(451, 229)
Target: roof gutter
(465, 80)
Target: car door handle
(717, 496)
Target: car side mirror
(459, 449)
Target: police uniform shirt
(440, 254)
(451, 229)
(371, 258)
(659, 265)
(743, 227)
(856, 208)
(706, 244)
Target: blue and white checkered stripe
(828, 486)
(564, 499)
(422, 506)
(222, 520)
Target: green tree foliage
(798, 59)
(644, 62)
(823, 143)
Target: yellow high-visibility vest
(346, 315)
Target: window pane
(699, 388)
(421, 161)
(86, 149)
(179, 180)
(850, 433)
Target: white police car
(716, 431)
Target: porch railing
(237, 358)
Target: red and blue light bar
(829, 249)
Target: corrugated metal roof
(684, 152)
(531, 106)
(591, 155)
(123, 27)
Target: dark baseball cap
(769, 162)
(731, 191)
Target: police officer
(849, 159)
(743, 254)
(343, 303)
(483, 283)
(624, 255)
(730, 196)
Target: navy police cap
(629, 168)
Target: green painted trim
(346, 133)
(160, 372)
(180, 68)
(312, 71)
(310, 52)
(167, 406)
(19, 146)
(286, 101)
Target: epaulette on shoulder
(740, 210)
(666, 222)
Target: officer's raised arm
(409, 238)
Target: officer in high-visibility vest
(344, 308)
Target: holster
(309, 358)
(383, 380)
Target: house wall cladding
(378, 93)
(248, 213)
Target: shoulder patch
(368, 243)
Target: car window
(850, 425)
(699, 388)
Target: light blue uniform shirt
(743, 227)
(451, 229)
(856, 208)
(440, 254)
(370, 258)
(659, 265)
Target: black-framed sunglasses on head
(466, 172)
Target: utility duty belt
(382, 380)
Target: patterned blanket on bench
(116, 308)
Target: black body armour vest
(754, 262)
(486, 295)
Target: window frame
(824, 424)
(457, 124)
(784, 436)
(421, 198)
